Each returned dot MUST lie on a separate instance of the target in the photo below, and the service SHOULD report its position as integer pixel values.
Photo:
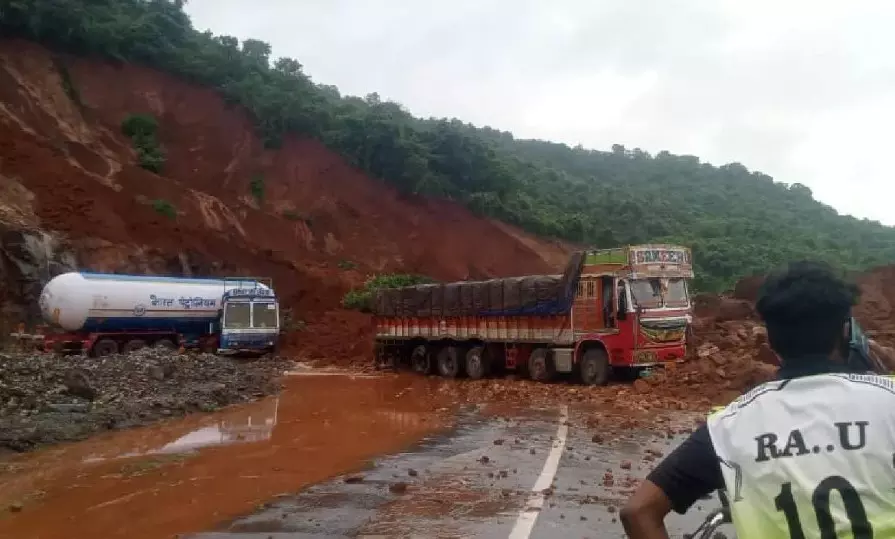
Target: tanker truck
(103, 314)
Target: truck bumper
(650, 357)
(247, 343)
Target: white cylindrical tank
(91, 301)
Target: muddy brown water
(318, 427)
(278, 468)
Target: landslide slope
(738, 221)
(72, 195)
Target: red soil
(318, 212)
(876, 311)
(65, 167)
(729, 352)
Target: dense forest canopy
(738, 222)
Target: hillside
(739, 222)
(73, 196)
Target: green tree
(737, 221)
(141, 129)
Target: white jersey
(810, 457)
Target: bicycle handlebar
(713, 520)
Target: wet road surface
(479, 480)
(191, 474)
(299, 467)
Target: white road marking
(528, 516)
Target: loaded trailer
(103, 314)
(613, 309)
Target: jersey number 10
(820, 499)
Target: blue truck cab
(250, 321)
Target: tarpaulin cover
(532, 295)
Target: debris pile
(729, 353)
(876, 312)
(728, 357)
(46, 399)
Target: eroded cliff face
(73, 197)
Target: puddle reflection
(320, 427)
(253, 423)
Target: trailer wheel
(166, 344)
(540, 368)
(133, 345)
(421, 360)
(477, 365)
(105, 347)
(448, 362)
(593, 369)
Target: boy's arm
(690, 472)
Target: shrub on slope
(739, 222)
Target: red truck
(611, 309)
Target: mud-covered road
(342, 456)
(542, 480)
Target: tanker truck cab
(250, 321)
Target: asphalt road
(534, 473)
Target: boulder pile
(46, 399)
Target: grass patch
(256, 187)
(163, 207)
(347, 265)
(142, 130)
(361, 299)
(290, 322)
(68, 85)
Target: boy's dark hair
(804, 307)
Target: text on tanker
(185, 302)
(250, 292)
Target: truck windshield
(647, 293)
(237, 315)
(652, 293)
(264, 315)
(676, 293)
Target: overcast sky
(801, 90)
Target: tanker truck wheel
(133, 345)
(105, 347)
(421, 360)
(477, 365)
(594, 367)
(449, 362)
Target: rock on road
(485, 478)
(298, 466)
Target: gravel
(46, 399)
